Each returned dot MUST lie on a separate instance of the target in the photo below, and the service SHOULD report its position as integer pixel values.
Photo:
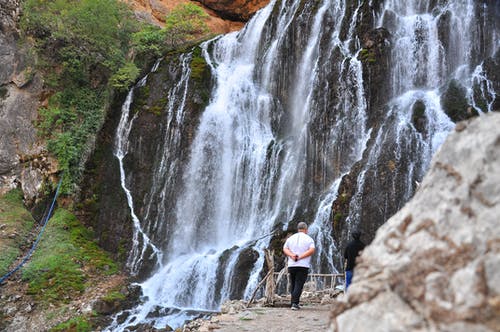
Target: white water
(140, 241)
(244, 180)
(421, 66)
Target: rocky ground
(238, 316)
(20, 312)
(312, 317)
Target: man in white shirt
(299, 247)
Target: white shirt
(299, 243)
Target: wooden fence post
(270, 285)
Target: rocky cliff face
(435, 265)
(239, 10)
(225, 16)
(23, 159)
(23, 162)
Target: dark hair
(356, 235)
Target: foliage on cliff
(184, 24)
(80, 46)
(86, 49)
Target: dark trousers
(298, 277)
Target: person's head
(356, 235)
(302, 227)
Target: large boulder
(435, 265)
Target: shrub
(125, 76)
(185, 23)
(81, 45)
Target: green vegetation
(78, 324)
(82, 48)
(65, 255)
(149, 42)
(15, 222)
(125, 76)
(337, 219)
(198, 65)
(85, 49)
(184, 24)
(113, 296)
(367, 55)
(200, 75)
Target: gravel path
(313, 318)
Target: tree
(81, 45)
(185, 23)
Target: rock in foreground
(435, 265)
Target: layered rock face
(22, 161)
(236, 10)
(225, 16)
(435, 265)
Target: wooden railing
(278, 283)
(314, 282)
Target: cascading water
(431, 45)
(141, 240)
(283, 126)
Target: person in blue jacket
(351, 252)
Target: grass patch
(15, 223)
(66, 254)
(113, 296)
(79, 324)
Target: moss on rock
(66, 255)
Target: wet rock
(455, 103)
(418, 117)
(435, 262)
(375, 56)
(483, 91)
(244, 266)
(104, 307)
(148, 328)
(443, 26)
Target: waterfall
(140, 241)
(287, 120)
(431, 45)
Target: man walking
(299, 248)
(351, 252)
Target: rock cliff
(239, 10)
(225, 16)
(435, 265)
(23, 161)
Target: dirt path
(313, 318)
